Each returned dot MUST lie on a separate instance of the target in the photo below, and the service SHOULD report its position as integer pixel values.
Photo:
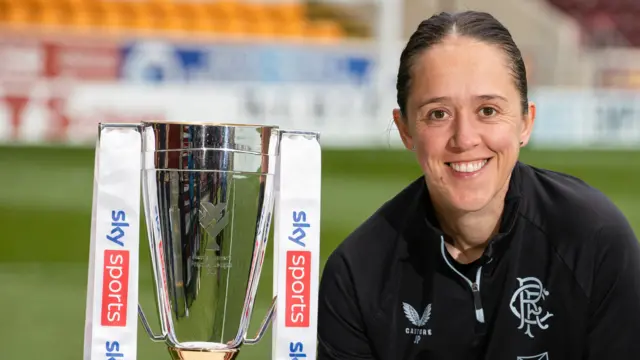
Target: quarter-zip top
(560, 280)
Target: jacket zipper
(475, 286)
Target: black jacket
(560, 281)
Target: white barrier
(347, 116)
(586, 118)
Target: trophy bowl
(208, 195)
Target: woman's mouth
(468, 167)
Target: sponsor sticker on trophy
(111, 321)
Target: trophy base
(194, 354)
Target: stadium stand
(559, 38)
(64, 63)
(616, 19)
(233, 18)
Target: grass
(45, 210)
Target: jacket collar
(422, 222)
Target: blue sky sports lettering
(298, 234)
(113, 351)
(118, 222)
(296, 351)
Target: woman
(483, 257)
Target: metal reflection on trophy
(208, 197)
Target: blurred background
(325, 65)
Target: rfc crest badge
(526, 305)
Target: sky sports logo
(115, 278)
(298, 277)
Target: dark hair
(478, 25)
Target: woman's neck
(470, 232)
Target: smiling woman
(507, 260)
(463, 109)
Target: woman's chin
(469, 201)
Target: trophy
(208, 194)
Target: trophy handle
(264, 325)
(147, 327)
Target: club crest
(526, 305)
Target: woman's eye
(487, 111)
(438, 115)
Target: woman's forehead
(461, 56)
(462, 66)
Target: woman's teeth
(468, 167)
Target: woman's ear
(403, 127)
(527, 128)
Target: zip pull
(477, 299)
(475, 286)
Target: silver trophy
(208, 193)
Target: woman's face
(464, 121)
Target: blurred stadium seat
(593, 15)
(226, 17)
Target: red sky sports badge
(298, 288)
(115, 285)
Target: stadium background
(326, 65)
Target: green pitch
(45, 209)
